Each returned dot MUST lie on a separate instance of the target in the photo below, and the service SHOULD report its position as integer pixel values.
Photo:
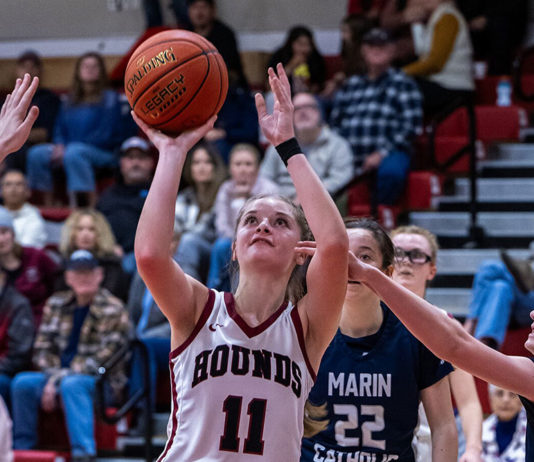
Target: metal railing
(476, 232)
(144, 393)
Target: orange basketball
(175, 81)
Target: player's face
(529, 344)
(504, 404)
(243, 167)
(266, 235)
(413, 276)
(307, 115)
(201, 166)
(364, 246)
(85, 233)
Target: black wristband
(288, 149)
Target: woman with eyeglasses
(447, 339)
(364, 404)
(415, 266)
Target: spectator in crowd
(31, 271)
(154, 17)
(444, 70)
(90, 126)
(29, 225)
(244, 183)
(399, 17)
(88, 229)
(353, 28)
(302, 61)
(204, 172)
(82, 328)
(497, 299)
(16, 335)
(237, 121)
(18, 115)
(203, 19)
(497, 30)
(122, 202)
(367, 8)
(504, 431)
(152, 328)
(46, 100)
(379, 114)
(416, 252)
(328, 153)
(6, 441)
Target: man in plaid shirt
(379, 114)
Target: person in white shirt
(30, 230)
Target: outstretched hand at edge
(278, 126)
(15, 119)
(180, 144)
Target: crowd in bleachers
(67, 306)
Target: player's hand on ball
(179, 145)
(278, 126)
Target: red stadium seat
(422, 190)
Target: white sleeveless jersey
(238, 391)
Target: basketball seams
(168, 71)
(191, 99)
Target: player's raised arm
(15, 119)
(447, 339)
(177, 295)
(327, 274)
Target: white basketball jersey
(238, 391)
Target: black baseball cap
(377, 37)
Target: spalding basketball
(176, 80)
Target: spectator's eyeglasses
(416, 256)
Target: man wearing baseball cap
(122, 202)
(379, 114)
(81, 329)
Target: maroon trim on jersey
(200, 323)
(295, 317)
(250, 331)
(170, 441)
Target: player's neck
(361, 319)
(257, 298)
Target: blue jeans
(221, 254)
(193, 255)
(495, 299)
(391, 177)
(79, 161)
(158, 360)
(77, 395)
(5, 382)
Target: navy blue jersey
(371, 387)
(529, 407)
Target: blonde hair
(105, 240)
(314, 419)
(428, 235)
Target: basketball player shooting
(242, 364)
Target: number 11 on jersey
(256, 411)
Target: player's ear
(234, 256)
(300, 258)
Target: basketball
(175, 81)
